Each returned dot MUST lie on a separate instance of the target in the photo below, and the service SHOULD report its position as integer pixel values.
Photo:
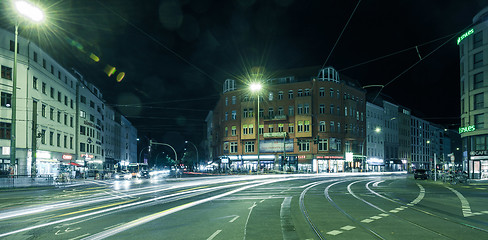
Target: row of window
(61, 115)
(303, 146)
(302, 126)
(302, 109)
(90, 148)
(53, 93)
(300, 93)
(61, 140)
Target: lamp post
(141, 153)
(34, 14)
(195, 149)
(256, 88)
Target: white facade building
(375, 156)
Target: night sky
(176, 54)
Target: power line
(340, 35)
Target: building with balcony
(310, 120)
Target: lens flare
(120, 76)
(109, 70)
(94, 57)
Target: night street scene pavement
(273, 206)
(243, 119)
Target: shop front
(478, 165)
(329, 164)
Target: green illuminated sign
(469, 32)
(467, 129)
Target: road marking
(214, 235)
(248, 216)
(334, 232)
(84, 235)
(376, 183)
(376, 217)
(348, 228)
(419, 197)
(287, 227)
(233, 219)
(367, 220)
(95, 208)
(464, 203)
(384, 214)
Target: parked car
(420, 173)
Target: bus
(137, 168)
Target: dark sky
(176, 54)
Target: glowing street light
(256, 87)
(35, 14)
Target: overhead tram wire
(397, 52)
(340, 35)
(158, 42)
(418, 61)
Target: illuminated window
(291, 128)
(244, 129)
(249, 146)
(270, 96)
(251, 129)
(234, 131)
(234, 114)
(6, 100)
(280, 127)
(300, 126)
(270, 128)
(306, 126)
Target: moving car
(123, 175)
(420, 173)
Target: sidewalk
(26, 181)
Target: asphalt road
(249, 207)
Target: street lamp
(256, 87)
(35, 14)
(195, 149)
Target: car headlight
(117, 176)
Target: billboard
(275, 145)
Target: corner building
(473, 49)
(310, 120)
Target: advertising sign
(275, 145)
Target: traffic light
(316, 140)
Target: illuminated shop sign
(330, 157)
(466, 34)
(67, 157)
(467, 129)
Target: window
(51, 138)
(321, 92)
(226, 132)
(5, 130)
(66, 119)
(35, 56)
(251, 112)
(290, 94)
(261, 113)
(92, 118)
(323, 145)
(234, 115)
(307, 92)
(92, 104)
(34, 82)
(43, 110)
(66, 100)
(306, 108)
(244, 129)
(71, 121)
(59, 75)
(270, 128)
(51, 114)
(251, 129)
(52, 92)
(303, 146)
(59, 116)
(299, 109)
(280, 127)
(6, 72)
(83, 99)
(82, 114)
(322, 108)
(82, 147)
(65, 141)
(52, 69)
(226, 101)
(59, 96)
(291, 110)
(331, 109)
(249, 147)
(12, 46)
(291, 128)
(280, 95)
(477, 60)
(71, 103)
(82, 130)
(300, 126)
(479, 101)
(271, 112)
(234, 131)
(331, 92)
(280, 111)
(43, 88)
(58, 140)
(44, 63)
(306, 126)
(270, 96)
(43, 136)
(244, 113)
(300, 93)
(261, 129)
(478, 80)
(70, 142)
(332, 129)
(233, 99)
(322, 126)
(6, 99)
(233, 147)
(477, 40)
(226, 116)
(479, 121)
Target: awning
(75, 164)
